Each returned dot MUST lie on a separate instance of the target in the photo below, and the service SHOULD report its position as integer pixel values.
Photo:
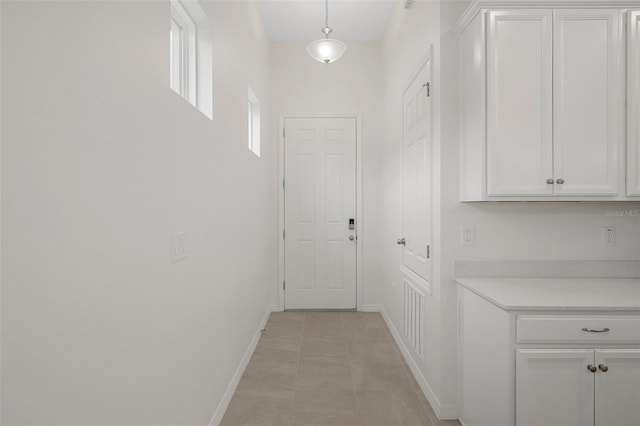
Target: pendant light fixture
(326, 49)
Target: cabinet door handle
(549, 181)
(603, 368)
(592, 368)
(592, 330)
(560, 181)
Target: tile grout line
(293, 390)
(353, 382)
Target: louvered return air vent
(414, 312)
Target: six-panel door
(416, 175)
(320, 199)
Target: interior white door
(320, 202)
(617, 387)
(416, 175)
(588, 129)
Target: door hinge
(284, 285)
(283, 234)
(428, 86)
(428, 251)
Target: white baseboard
(444, 412)
(235, 380)
(371, 308)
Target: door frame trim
(359, 203)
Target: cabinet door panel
(618, 389)
(554, 387)
(588, 73)
(519, 145)
(633, 104)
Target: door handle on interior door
(401, 241)
(351, 238)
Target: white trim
(235, 380)
(444, 412)
(186, 57)
(371, 308)
(253, 122)
(417, 279)
(359, 203)
(477, 5)
(197, 51)
(280, 212)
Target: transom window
(191, 56)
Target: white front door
(416, 152)
(320, 202)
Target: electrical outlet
(467, 237)
(178, 246)
(609, 236)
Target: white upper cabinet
(633, 103)
(519, 102)
(588, 106)
(542, 103)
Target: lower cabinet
(617, 387)
(520, 367)
(577, 387)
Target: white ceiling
(302, 20)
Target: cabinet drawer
(578, 329)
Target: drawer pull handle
(603, 368)
(592, 330)
(592, 368)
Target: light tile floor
(328, 369)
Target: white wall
(503, 231)
(351, 85)
(101, 162)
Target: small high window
(191, 56)
(253, 119)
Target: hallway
(328, 368)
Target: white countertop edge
(530, 308)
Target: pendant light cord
(326, 10)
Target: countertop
(558, 294)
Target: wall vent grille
(414, 307)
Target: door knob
(560, 181)
(603, 368)
(401, 241)
(550, 181)
(592, 368)
(351, 238)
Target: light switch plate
(178, 246)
